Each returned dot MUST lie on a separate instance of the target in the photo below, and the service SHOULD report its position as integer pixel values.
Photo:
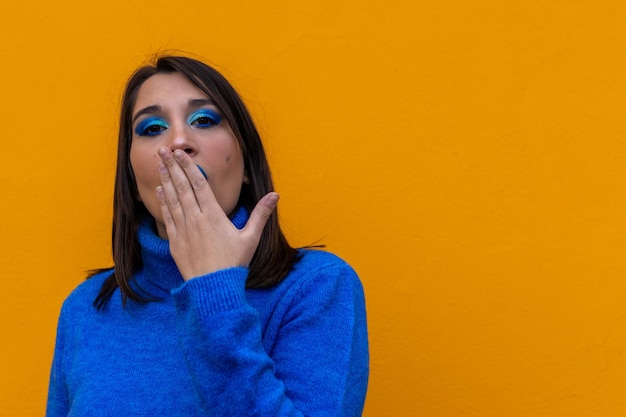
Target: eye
(204, 118)
(151, 126)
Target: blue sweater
(210, 347)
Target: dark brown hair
(273, 258)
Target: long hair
(274, 257)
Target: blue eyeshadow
(144, 127)
(213, 117)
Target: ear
(246, 179)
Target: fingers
(192, 173)
(168, 196)
(261, 213)
(170, 226)
(198, 179)
(194, 220)
(181, 181)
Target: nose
(181, 138)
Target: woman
(208, 310)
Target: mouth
(202, 171)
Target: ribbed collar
(159, 274)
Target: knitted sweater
(210, 347)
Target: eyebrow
(145, 110)
(199, 102)
(193, 103)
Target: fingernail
(178, 154)
(273, 199)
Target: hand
(202, 238)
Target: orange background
(467, 158)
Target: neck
(160, 274)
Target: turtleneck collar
(159, 274)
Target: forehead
(167, 90)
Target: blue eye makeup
(204, 118)
(151, 126)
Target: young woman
(208, 311)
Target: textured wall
(468, 158)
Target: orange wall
(468, 158)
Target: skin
(189, 210)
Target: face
(170, 111)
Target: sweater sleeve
(317, 366)
(57, 405)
